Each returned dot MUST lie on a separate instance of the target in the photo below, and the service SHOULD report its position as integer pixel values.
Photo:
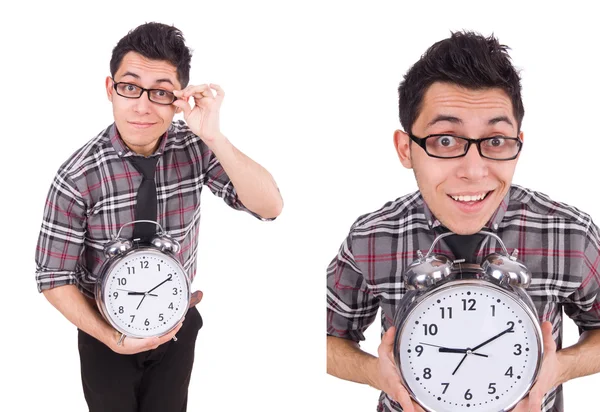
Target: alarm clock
(142, 290)
(467, 335)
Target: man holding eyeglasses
(461, 110)
(144, 164)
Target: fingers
(403, 398)
(202, 91)
(195, 298)
(386, 348)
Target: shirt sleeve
(60, 242)
(583, 305)
(351, 307)
(220, 185)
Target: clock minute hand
(493, 338)
(164, 281)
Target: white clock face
(146, 294)
(469, 347)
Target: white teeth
(469, 198)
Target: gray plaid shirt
(94, 194)
(558, 243)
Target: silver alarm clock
(142, 290)
(468, 336)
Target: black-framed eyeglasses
(447, 146)
(133, 91)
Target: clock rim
(109, 266)
(404, 312)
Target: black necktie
(464, 246)
(145, 208)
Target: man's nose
(473, 166)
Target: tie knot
(145, 165)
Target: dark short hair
(465, 59)
(155, 41)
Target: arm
(82, 312)
(255, 187)
(581, 359)
(351, 308)
(347, 361)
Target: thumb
(549, 344)
(387, 341)
(183, 105)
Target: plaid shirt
(558, 243)
(94, 194)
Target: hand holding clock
(388, 379)
(548, 378)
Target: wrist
(371, 368)
(217, 142)
(564, 360)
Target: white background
(311, 95)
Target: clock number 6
(468, 395)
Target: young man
(461, 110)
(95, 193)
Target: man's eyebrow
(157, 81)
(444, 118)
(499, 119)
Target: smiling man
(142, 166)
(461, 111)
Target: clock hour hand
(453, 350)
(131, 292)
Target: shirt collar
(124, 151)
(492, 225)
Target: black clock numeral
(122, 281)
(419, 350)
(445, 387)
(144, 264)
(169, 276)
(132, 318)
(158, 264)
(468, 395)
(492, 388)
(512, 326)
(146, 322)
(518, 348)
(160, 317)
(430, 329)
(427, 373)
(444, 312)
(174, 291)
(509, 372)
(171, 305)
(493, 310)
(121, 310)
(130, 270)
(116, 295)
(471, 302)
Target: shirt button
(120, 153)
(429, 221)
(495, 226)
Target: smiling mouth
(470, 199)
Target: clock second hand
(452, 350)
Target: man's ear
(402, 145)
(109, 88)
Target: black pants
(156, 380)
